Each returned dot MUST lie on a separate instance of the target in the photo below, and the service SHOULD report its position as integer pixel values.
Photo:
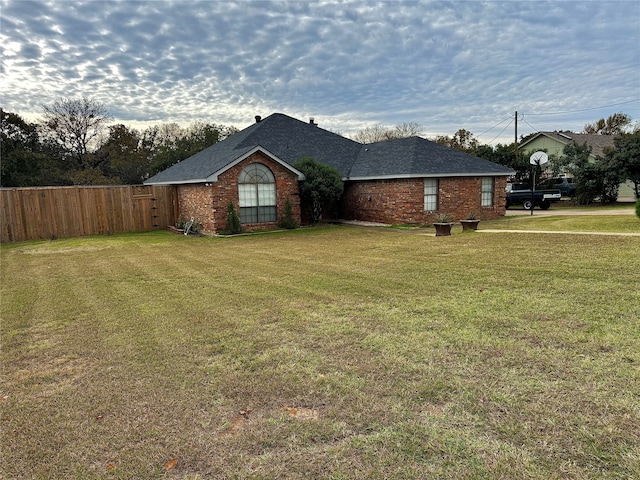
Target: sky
(348, 64)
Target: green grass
(333, 353)
(570, 204)
(572, 223)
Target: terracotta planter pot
(443, 229)
(469, 224)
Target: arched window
(257, 192)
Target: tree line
(597, 179)
(73, 144)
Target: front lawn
(336, 352)
(572, 223)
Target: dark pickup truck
(520, 194)
(566, 185)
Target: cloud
(443, 65)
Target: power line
(488, 130)
(506, 126)
(521, 115)
(535, 128)
(587, 109)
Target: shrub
(287, 218)
(181, 223)
(444, 218)
(322, 188)
(594, 179)
(233, 221)
(196, 227)
(638, 208)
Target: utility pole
(515, 142)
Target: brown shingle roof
(598, 143)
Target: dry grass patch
(325, 353)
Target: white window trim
(431, 193)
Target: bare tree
(380, 133)
(375, 133)
(76, 124)
(410, 129)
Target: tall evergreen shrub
(233, 221)
(287, 218)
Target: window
(430, 194)
(257, 194)
(487, 191)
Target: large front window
(257, 192)
(430, 194)
(487, 191)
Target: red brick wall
(196, 201)
(385, 201)
(208, 204)
(402, 200)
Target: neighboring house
(409, 180)
(554, 142)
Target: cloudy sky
(349, 64)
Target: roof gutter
(430, 175)
(183, 182)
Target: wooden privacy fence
(50, 212)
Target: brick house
(409, 180)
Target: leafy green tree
(169, 144)
(612, 177)
(462, 140)
(124, 159)
(586, 174)
(505, 155)
(600, 178)
(626, 158)
(27, 158)
(322, 188)
(20, 150)
(91, 176)
(161, 144)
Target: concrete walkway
(524, 215)
(573, 211)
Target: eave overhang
(214, 176)
(428, 175)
